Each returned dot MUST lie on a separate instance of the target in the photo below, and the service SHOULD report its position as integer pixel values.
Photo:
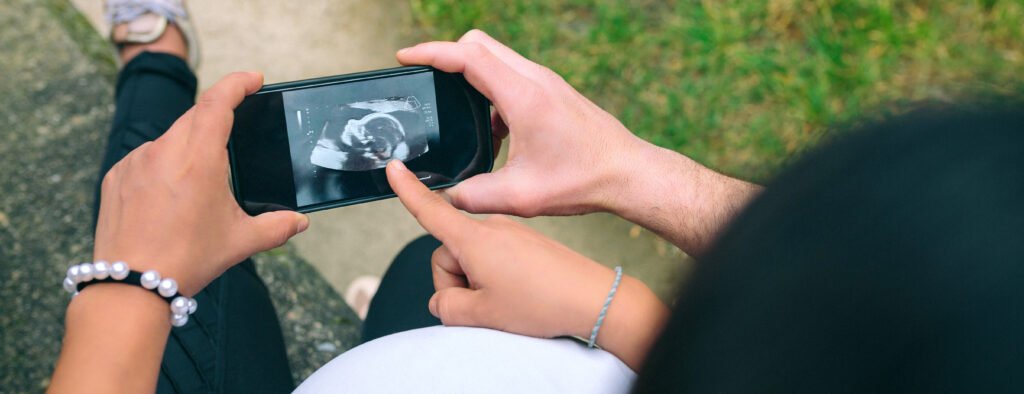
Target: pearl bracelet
(82, 275)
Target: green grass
(743, 86)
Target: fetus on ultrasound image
(366, 135)
(340, 136)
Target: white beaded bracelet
(80, 276)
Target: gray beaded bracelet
(82, 275)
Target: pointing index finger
(435, 214)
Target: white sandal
(360, 292)
(144, 21)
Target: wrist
(583, 300)
(84, 275)
(646, 176)
(609, 188)
(676, 197)
(633, 323)
(122, 328)
(105, 299)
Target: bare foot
(171, 42)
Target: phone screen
(326, 144)
(335, 133)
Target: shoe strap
(123, 11)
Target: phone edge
(353, 77)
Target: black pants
(234, 343)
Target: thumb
(272, 229)
(456, 306)
(485, 193)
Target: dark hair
(890, 259)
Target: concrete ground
(311, 38)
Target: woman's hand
(167, 205)
(567, 156)
(500, 274)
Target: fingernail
(303, 223)
(432, 305)
(403, 50)
(397, 165)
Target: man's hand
(167, 205)
(567, 156)
(500, 274)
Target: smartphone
(323, 143)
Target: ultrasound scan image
(341, 136)
(366, 135)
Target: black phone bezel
(477, 104)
